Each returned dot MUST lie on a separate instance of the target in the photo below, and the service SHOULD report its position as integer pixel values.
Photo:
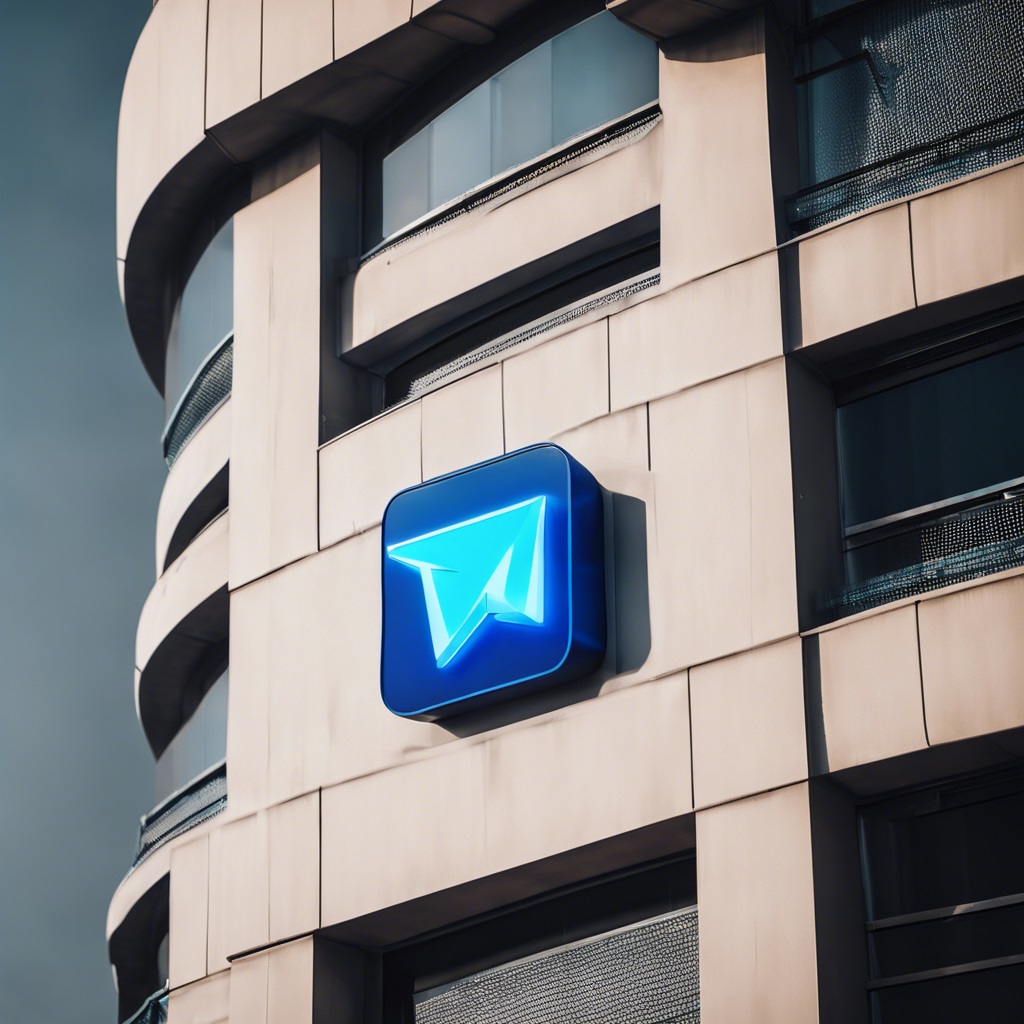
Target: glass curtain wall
(587, 76)
(204, 318)
(903, 95)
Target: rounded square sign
(493, 581)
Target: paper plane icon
(491, 565)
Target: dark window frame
(585, 910)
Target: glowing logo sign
(493, 583)
(490, 565)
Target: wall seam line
(920, 671)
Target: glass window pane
(199, 744)
(522, 110)
(589, 75)
(602, 69)
(406, 182)
(205, 315)
(460, 146)
(935, 438)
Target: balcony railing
(900, 96)
(210, 386)
(191, 806)
(963, 545)
(646, 974)
(152, 1011)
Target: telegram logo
(493, 583)
(490, 565)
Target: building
(759, 269)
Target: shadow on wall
(629, 624)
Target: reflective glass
(458, 159)
(522, 110)
(931, 439)
(600, 70)
(589, 75)
(407, 182)
(199, 744)
(205, 315)
(904, 96)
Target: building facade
(757, 272)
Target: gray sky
(80, 476)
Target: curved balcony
(199, 801)
(181, 642)
(476, 261)
(153, 1010)
(137, 947)
(196, 491)
(208, 390)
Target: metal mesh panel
(908, 95)
(576, 153)
(441, 374)
(955, 549)
(195, 804)
(210, 386)
(152, 1011)
(647, 974)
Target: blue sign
(493, 583)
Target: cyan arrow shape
(490, 565)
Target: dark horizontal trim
(438, 912)
(941, 913)
(945, 972)
(925, 515)
(870, 370)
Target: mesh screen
(192, 806)
(212, 384)
(907, 95)
(443, 373)
(152, 1011)
(644, 975)
(955, 549)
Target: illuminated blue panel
(493, 583)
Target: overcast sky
(80, 477)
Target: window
(944, 878)
(621, 948)
(199, 744)
(589, 75)
(931, 468)
(903, 95)
(199, 355)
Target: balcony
(209, 388)
(883, 117)
(201, 800)
(981, 537)
(152, 1011)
